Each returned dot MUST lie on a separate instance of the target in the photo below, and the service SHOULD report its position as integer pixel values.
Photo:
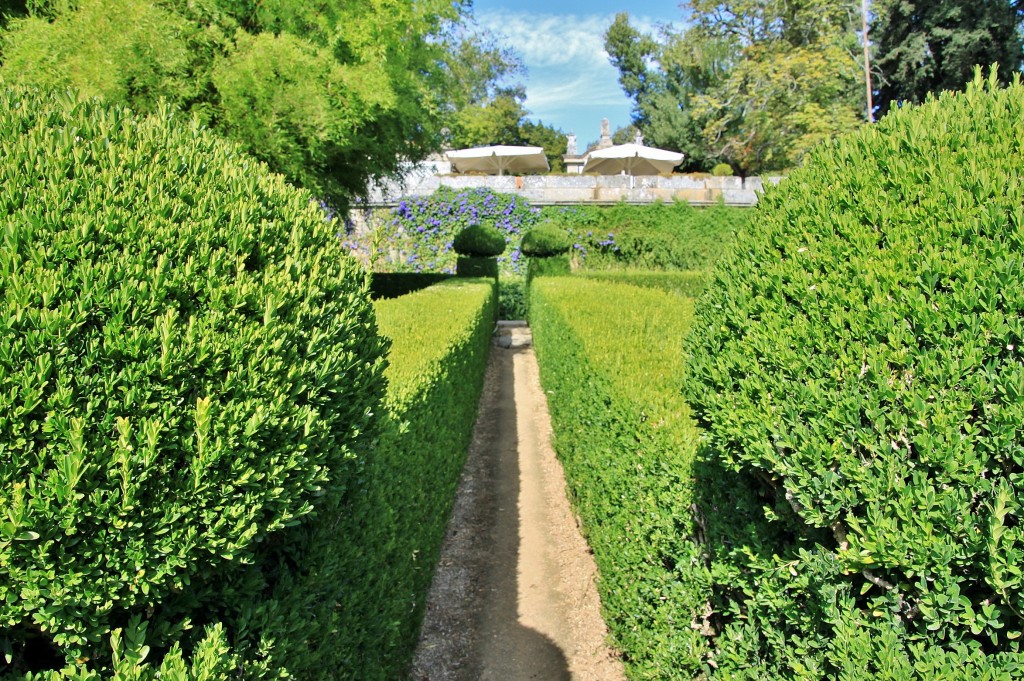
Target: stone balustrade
(541, 190)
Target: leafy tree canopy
(502, 119)
(926, 46)
(749, 82)
(330, 94)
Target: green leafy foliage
(480, 240)
(689, 283)
(658, 236)
(512, 297)
(188, 368)
(751, 83)
(610, 366)
(856, 366)
(722, 170)
(928, 47)
(330, 94)
(545, 240)
(392, 527)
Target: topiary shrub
(189, 365)
(858, 354)
(552, 266)
(545, 240)
(467, 266)
(479, 241)
(722, 170)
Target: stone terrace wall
(544, 190)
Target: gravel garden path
(513, 597)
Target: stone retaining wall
(543, 190)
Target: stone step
(513, 334)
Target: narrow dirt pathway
(513, 597)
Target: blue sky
(570, 83)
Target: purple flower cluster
(417, 235)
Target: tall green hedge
(189, 368)
(610, 364)
(856, 365)
(392, 530)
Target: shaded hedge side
(391, 531)
(610, 365)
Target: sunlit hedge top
(862, 350)
(187, 360)
(545, 240)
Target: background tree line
(756, 83)
(331, 94)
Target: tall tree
(331, 94)
(752, 82)
(793, 83)
(502, 119)
(662, 76)
(926, 46)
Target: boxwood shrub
(610, 365)
(189, 365)
(392, 529)
(857, 357)
(482, 241)
(545, 240)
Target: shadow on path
(472, 629)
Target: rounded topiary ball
(861, 352)
(189, 362)
(479, 241)
(545, 240)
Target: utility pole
(867, 60)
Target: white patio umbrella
(499, 159)
(632, 159)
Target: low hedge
(390, 533)
(610, 364)
(395, 284)
(684, 282)
(188, 371)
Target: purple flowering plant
(417, 235)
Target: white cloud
(570, 80)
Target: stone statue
(570, 147)
(606, 135)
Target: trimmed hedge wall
(610, 364)
(857, 366)
(473, 267)
(685, 283)
(657, 236)
(392, 529)
(188, 368)
(396, 284)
